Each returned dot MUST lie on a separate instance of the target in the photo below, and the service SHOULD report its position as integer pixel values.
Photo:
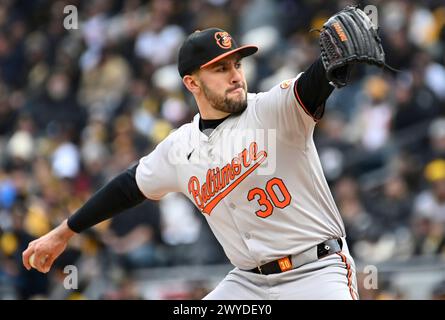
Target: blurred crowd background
(78, 106)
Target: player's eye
(238, 65)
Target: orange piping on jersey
(221, 177)
(301, 102)
(348, 275)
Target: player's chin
(236, 105)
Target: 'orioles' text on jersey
(256, 178)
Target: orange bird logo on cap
(223, 39)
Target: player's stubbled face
(224, 85)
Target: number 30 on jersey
(275, 194)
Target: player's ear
(191, 83)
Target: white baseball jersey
(256, 178)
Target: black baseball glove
(349, 37)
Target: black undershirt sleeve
(119, 194)
(314, 89)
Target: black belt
(291, 262)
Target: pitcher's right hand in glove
(349, 37)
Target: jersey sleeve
(156, 173)
(281, 108)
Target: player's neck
(205, 124)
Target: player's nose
(236, 75)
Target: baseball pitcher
(248, 162)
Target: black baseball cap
(204, 47)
